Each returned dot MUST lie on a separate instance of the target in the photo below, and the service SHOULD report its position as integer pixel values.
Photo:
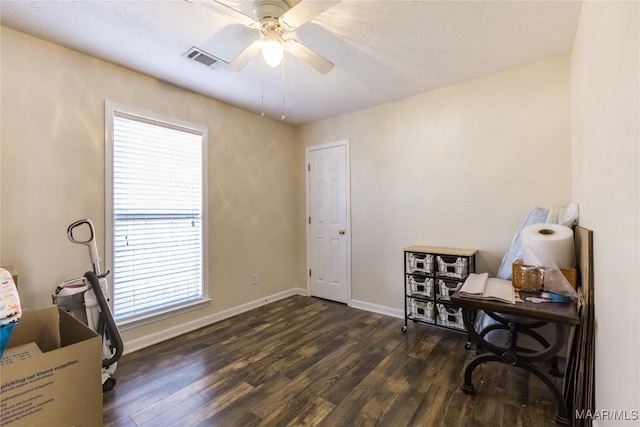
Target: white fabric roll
(546, 244)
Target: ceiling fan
(275, 18)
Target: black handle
(114, 333)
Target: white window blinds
(157, 191)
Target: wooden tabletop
(564, 313)
(437, 250)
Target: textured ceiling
(383, 50)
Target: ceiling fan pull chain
(283, 89)
(262, 88)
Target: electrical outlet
(254, 279)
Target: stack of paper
(482, 286)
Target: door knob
(341, 231)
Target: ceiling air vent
(204, 58)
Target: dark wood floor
(305, 361)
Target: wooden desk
(519, 318)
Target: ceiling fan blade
(304, 11)
(245, 56)
(307, 55)
(218, 6)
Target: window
(155, 212)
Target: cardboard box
(57, 384)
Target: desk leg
(468, 387)
(563, 416)
(509, 355)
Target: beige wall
(605, 89)
(457, 167)
(53, 173)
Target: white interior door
(328, 237)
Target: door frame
(347, 151)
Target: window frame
(111, 110)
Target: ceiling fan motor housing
(267, 13)
(269, 9)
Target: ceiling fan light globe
(272, 52)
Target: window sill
(156, 316)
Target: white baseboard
(146, 341)
(381, 309)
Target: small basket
(450, 316)
(419, 263)
(446, 288)
(422, 310)
(420, 286)
(451, 266)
